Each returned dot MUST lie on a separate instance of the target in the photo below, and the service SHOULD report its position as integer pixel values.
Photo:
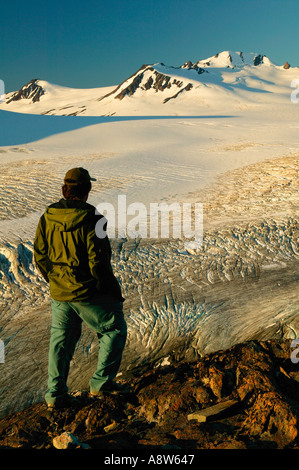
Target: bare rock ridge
(258, 60)
(31, 90)
(155, 80)
(189, 65)
(248, 396)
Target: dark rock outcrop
(186, 88)
(158, 81)
(258, 60)
(259, 378)
(189, 65)
(31, 91)
(130, 90)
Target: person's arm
(98, 249)
(41, 250)
(99, 256)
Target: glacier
(230, 142)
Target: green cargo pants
(103, 315)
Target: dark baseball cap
(77, 176)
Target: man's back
(70, 255)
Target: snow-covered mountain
(226, 80)
(233, 59)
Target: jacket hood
(67, 216)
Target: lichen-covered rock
(258, 376)
(68, 441)
(270, 418)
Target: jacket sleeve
(98, 249)
(99, 257)
(41, 250)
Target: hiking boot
(111, 388)
(63, 402)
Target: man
(76, 263)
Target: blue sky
(101, 43)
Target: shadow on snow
(20, 128)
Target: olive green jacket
(69, 254)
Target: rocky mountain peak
(31, 90)
(157, 78)
(232, 59)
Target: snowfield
(230, 142)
